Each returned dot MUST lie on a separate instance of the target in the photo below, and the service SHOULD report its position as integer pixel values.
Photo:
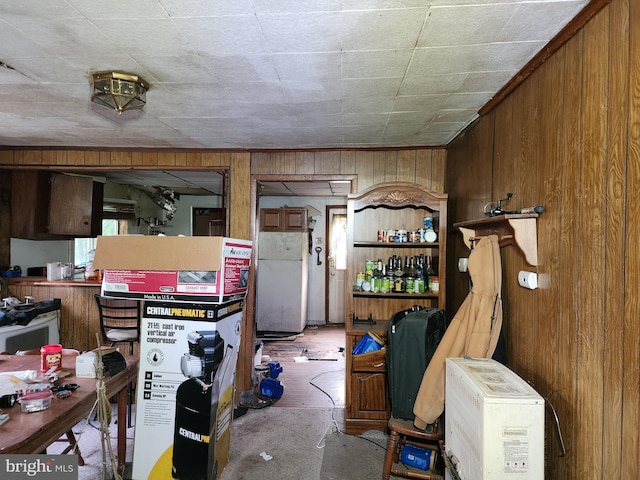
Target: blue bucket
(421, 458)
(274, 369)
(272, 388)
(370, 342)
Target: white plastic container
(495, 422)
(36, 401)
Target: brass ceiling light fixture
(120, 91)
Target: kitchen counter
(43, 282)
(79, 320)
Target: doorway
(208, 222)
(336, 235)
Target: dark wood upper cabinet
(49, 206)
(283, 219)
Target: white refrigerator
(281, 287)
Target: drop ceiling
(250, 74)
(181, 182)
(212, 183)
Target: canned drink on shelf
(359, 279)
(409, 284)
(385, 285)
(375, 284)
(418, 285)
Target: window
(338, 245)
(82, 245)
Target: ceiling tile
(253, 75)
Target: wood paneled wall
(568, 139)
(425, 166)
(237, 164)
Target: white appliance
(42, 330)
(494, 422)
(281, 287)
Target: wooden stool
(402, 432)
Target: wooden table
(33, 432)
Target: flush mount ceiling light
(120, 91)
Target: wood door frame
(254, 227)
(327, 271)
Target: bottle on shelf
(376, 280)
(410, 269)
(398, 275)
(429, 274)
(420, 266)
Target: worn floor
(317, 382)
(299, 436)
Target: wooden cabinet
(398, 206)
(283, 219)
(46, 205)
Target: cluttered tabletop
(56, 401)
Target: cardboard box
(159, 268)
(184, 403)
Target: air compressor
(197, 405)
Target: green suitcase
(412, 338)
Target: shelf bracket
(519, 230)
(362, 321)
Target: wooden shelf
(395, 295)
(396, 205)
(396, 244)
(511, 229)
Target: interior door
(336, 263)
(208, 222)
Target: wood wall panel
(347, 162)
(631, 346)
(592, 203)
(616, 172)
(569, 256)
(425, 166)
(406, 166)
(548, 330)
(305, 163)
(327, 162)
(5, 223)
(568, 138)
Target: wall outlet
(528, 280)
(463, 264)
